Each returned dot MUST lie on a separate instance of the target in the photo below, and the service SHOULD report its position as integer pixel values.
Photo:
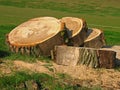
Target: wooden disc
(74, 24)
(93, 33)
(34, 31)
(95, 38)
(77, 27)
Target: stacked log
(77, 30)
(95, 38)
(36, 36)
(39, 36)
(91, 57)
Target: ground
(85, 76)
(103, 77)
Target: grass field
(103, 14)
(100, 14)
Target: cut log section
(66, 55)
(36, 37)
(115, 48)
(95, 38)
(77, 30)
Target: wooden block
(95, 38)
(91, 57)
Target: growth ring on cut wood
(95, 38)
(41, 33)
(78, 27)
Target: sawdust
(104, 77)
(35, 67)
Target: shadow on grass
(4, 54)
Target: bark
(90, 57)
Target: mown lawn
(98, 14)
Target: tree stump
(90, 57)
(36, 37)
(95, 38)
(77, 30)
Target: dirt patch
(105, 78)
(35, 67)
(109, 78)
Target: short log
(36, 36)
(95, 38)
(77, 30)
(66, 55)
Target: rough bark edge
(43, 48)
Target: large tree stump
(77, 30)
(91, 57)
(95, 38)
(36, 37)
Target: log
(36, 36)
(95, 38)
(115, 48)
(77, 30)
(106, 58)
(91, 57)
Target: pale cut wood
(77, 29)
(66, 55)
(95, 38)
(90, 57)
(36, 36)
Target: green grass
(18, 80)
(13, 81)
(93, 7)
